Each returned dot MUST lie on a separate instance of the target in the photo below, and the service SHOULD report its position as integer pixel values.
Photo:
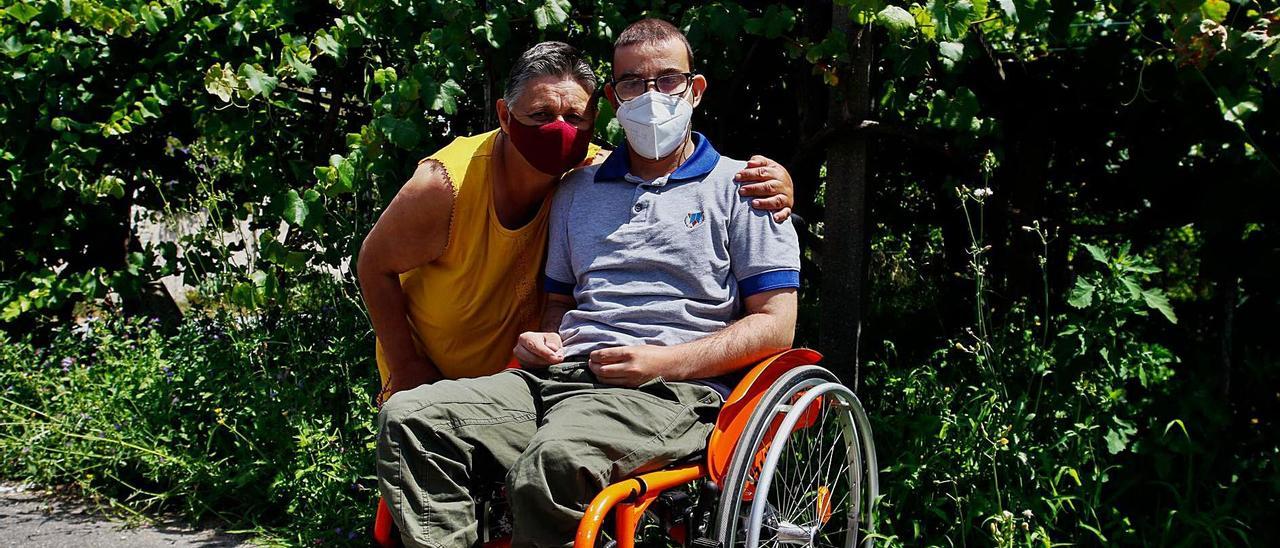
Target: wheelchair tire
(806, 417)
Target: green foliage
(265, 426)
(1014, 438)
(289, 125)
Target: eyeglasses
(670, 84)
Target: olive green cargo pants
(557, 437)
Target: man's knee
(559, 471)
(406, 418)
(398, 409)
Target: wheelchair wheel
(804, 472)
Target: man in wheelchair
(662, 284)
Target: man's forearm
(553, 311)
(747, 341)
(388, 311)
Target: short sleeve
(764, 254)
(558, 277)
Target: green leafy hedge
(264, 428)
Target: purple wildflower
(67, 363)
(352, 535)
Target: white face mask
(655, 123)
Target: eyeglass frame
(688, 83)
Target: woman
(450, 271)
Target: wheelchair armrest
(737, 408)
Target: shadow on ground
(34, 519)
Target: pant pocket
(659, 387)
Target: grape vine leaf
(23, 12)
(220, 81)
(445, 97)
(401, 133)
(951, 53)
(257, 82)
(329, 45)
(551, 12)
(1010, 10)
(295, 209)
(952, 17)
(896, 20)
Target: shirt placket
(643, 201)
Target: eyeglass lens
(670, 84)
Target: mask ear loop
(687, 129)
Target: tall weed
(265, 424)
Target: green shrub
(266, 425)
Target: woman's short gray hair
(549, 59)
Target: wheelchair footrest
(706, 543)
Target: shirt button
(639, 207)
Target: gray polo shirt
(661, 262)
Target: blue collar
(700, 163)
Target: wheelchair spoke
(804, 461)
(812, 470)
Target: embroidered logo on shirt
(693, 219)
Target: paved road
(30, 519)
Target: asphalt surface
(33, 519)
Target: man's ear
(611, 96)
(503, 115)
(698, 86)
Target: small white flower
(982, 192)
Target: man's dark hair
(650, 32)
(549, 59)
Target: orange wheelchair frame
(630, 498)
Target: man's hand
(770, 183)
(414, 374)
(632, 365)
(539, 349)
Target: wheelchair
(791, 462)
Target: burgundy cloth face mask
(551, 148)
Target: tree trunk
(844, 261)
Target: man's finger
(759, 161)
(760, 190)
(605, 372)
(538, 347)
(552, 341)
(772, 203)
(609, 355)
(782, 214)
(523, 355)
(762, 173)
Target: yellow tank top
(468, 306)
